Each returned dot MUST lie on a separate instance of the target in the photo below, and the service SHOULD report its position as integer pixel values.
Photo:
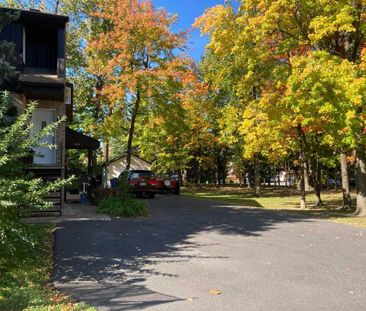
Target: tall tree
(270, 40)
(178, 131)
(138, 46)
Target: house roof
(123, 156)
(38, 16)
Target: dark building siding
(61, 65)
(14, 33)
(41, 48)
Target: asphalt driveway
(201, 255)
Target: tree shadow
(279, 199)
(105, 263)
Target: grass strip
(279, 199)
(25, 278)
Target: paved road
(173, 259)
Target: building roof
(123, 156)
(38, 16)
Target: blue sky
(187, 11)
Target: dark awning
(76, 140)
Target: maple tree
(177, 132)
(243, 68)
(137, 48)
(162, 130)
(276, 44)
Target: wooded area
(281, 86)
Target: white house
(115, 167)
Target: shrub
(118, 202)
(18, 189)
(126, 206)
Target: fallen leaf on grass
(215, 292)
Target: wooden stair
(55, 198)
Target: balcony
(39, 40)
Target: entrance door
(40, 119)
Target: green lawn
(25, 279)
(280, 199)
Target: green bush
(19, 190)
(122, 206)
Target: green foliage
(281, 49)
(118, 206)
(17, 188)
(24, 276)
(297, 69)
(78, 160)
(163, 135)
(124, 187)
(121, 203)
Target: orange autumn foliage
(135, 47)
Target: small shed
(112, 169)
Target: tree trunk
(306, 176)
(132, 130)
(316, 174)
(257, 177)
(180, 177)
(106, 160)
(197, 175)
(90, 162)
(99, 85)
(302, 167)
(244, 174)
(361, 181)
(221, 167)
(347, 203)
(196, 168)
(249, 178)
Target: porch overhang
(76, 140)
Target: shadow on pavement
(105, 263)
